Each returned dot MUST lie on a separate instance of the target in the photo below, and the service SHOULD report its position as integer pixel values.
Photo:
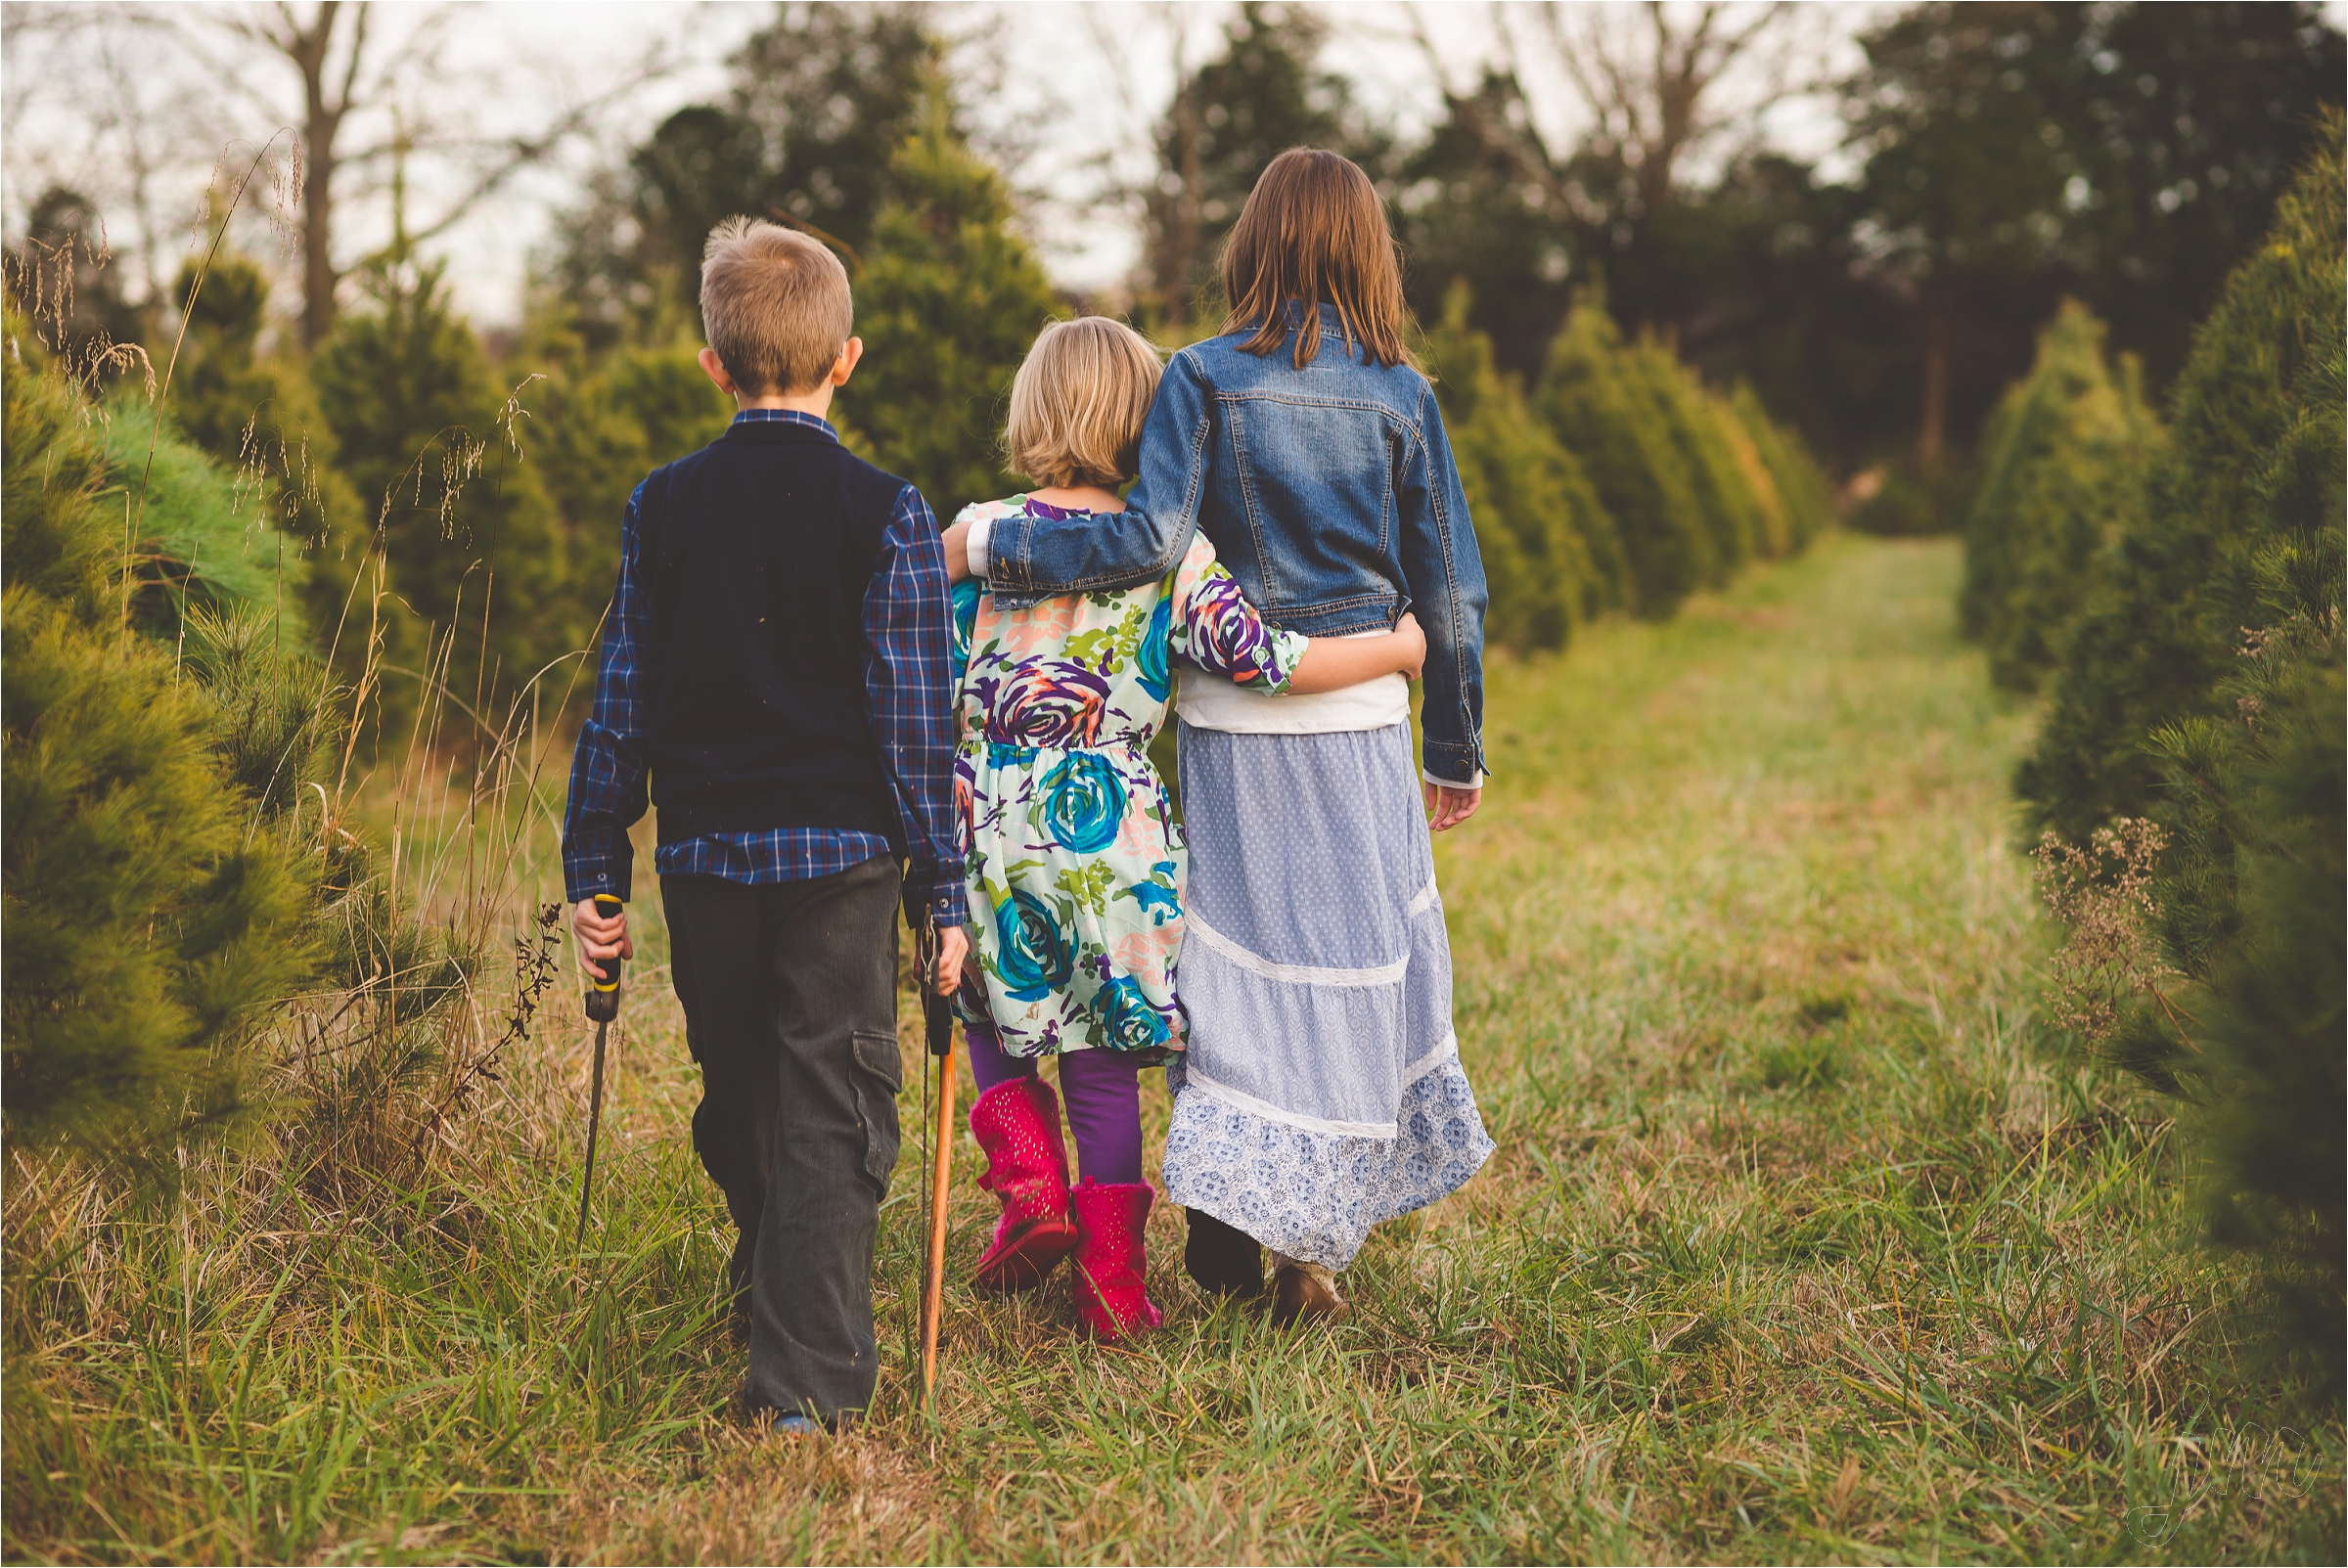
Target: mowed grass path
(1800, 1242)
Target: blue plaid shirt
(909, 695)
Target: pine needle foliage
(947, 307)
(2233, 497)
(1602, 405)
(1550, 555)
(2062, 471)
(597, 426)
(203, 540)
(257, 415)
(2273, 1024)
(146, 926)
(466, 535)
(2203, 690)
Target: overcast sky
(137, 107)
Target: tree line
(2173, 586)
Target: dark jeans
(790, 1008)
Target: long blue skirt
(1322, 1092)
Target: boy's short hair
(775, 306)
(1078, 403)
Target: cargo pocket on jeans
(876, 1073)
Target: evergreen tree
(1550, 555)
(257, 415)
(145, 925)
(1261, 96)
(1802, 488)
(822, 99)
(1599, 401)
(1722, 498)
(462, 525)
(2271, 1025)
(2162, 628)
(598, 425)
(1466, 216)
(2061, 473)
(947, 305)
(1774, 538)
(63, 276)
(2204, 687)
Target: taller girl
(1322, 1092)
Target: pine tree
(1772, 538)
(947, 305)
(143, 924)
(1801, 486)
(1599, 401)
(1550, 555)
(1731, 517)
(463, 524)
(2164, 625)
(597, 427)
(2204, 687)
(2062, 475)
(2272, 1027)
(255, 414)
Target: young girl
(1322, 1091)
(1076, 868)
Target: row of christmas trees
(2176, 594)
(422, 488)
(1620, 483)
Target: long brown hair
(1314, 231)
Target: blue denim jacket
(1329, 492)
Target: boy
(777, 661)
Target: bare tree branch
(523, 152)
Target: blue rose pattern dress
(1075, 865)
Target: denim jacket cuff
(1448, 761)
(992, 550)
(1006, 543)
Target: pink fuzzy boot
(1018, 1124)
(1111, 1257)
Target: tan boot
(1305, 1290)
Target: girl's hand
(957, 551)
(1413, 644)
(1447, 806)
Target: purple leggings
(1102, 1091)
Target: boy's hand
(952, 949)
(1414, 647)
(601, 938)
(958, 551)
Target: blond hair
(775, 306)
(1078, 402)
(1314, 232)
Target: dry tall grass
(1802, 1242)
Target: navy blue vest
(760, 548)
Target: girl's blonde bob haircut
(1078, 403)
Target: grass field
(1800, 1243)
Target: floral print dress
(1075, 865)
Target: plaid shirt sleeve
(909, 682)
(609, 769)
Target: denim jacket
(1329, 492)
